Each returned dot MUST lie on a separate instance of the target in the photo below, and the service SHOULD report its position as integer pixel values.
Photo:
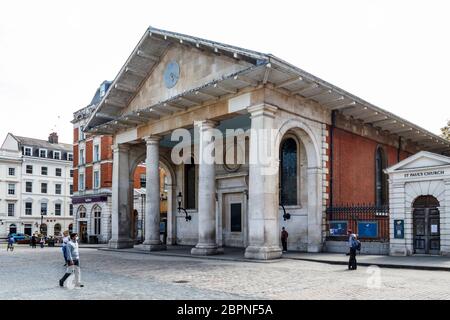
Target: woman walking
(65, 240)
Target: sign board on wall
(338, 228)
(367, 229)
(399, 229)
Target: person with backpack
(354, 245)
(10, 243)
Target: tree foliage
(445, 131)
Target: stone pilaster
(152, 198)
(263, 214)
(121, 200)
(207, 244)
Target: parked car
(19, 236)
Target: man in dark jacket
(352, 243)
(284, 237)
(33, 241)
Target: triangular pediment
(195, 64)
(194, 68)
(420, 160)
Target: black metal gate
(427, 233)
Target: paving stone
(33, 274)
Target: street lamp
(180, 199)
(286, 216)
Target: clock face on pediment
(171, 74)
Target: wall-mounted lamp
(180, 199)
(286, 216)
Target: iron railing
(370, 222)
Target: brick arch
(414, 190)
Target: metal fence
(369, 222)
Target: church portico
(268, 127)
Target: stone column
(207, 244)
(152, 197)
(172, 214)
(263, 214)
(121, 201)
(314, 209)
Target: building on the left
(36, 183)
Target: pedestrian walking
(65, 241)
(42, 241)
(73, 261)
(284, 237)
(353, 245)
(33, 241)
(10, 246)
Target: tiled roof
(32, 142)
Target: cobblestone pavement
(33, 274)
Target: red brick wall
(106, 145)
(106, 175)
(75, 135)
(137, 176)
(88, 177)
(75, 180)
(75, 156)
(328, 140)
(354, 167)
(89, 151)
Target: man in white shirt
(73, 260)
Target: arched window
(97, 220)
(12, 228)
(189, 184)
(289, 172)
(57, 230)
(381, 185)
(81, 212)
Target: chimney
(53, 138)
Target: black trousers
(284, 244)
(352, 264)
(76, 263)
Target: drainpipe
(399, 148)
(331, 146)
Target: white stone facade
(29, 191)
(423, 174)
